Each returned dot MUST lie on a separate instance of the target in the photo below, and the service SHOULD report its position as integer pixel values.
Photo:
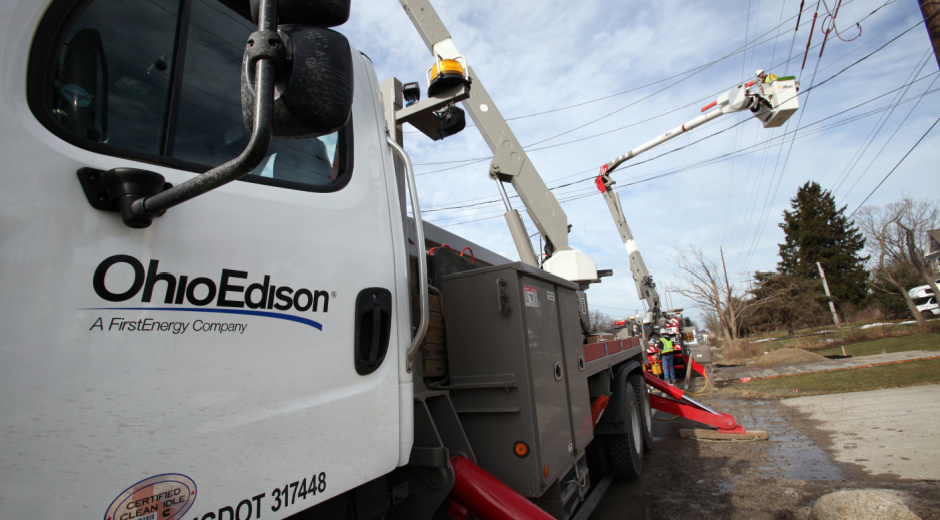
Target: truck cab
(245, 349)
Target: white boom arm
(510, 162)
(773, 103)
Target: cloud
(536, 56)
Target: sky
(583, 82)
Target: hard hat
(759, 72)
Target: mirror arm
(238, 167)
(250, 158)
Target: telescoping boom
(772, 100)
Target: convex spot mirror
(82, 87)
(314, 87)
(322, 13)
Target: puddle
(720, 487)
(723, 487)
(790, 453)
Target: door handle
(373, 325)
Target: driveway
(889, 433)
(781, 478)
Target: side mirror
(313, 89)
(322, 13)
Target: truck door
(238, 357)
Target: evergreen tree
(818, 232)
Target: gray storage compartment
(514, 342)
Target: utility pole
(930, 8)
(726, 271)
(832, 306)
(731, 326)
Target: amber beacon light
(446, 73)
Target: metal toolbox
(514, 342)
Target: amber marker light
(520, 449)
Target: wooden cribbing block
(715, 435)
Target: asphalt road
(894, 432)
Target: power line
(685, 75)
(658, 176)
(589, 191)
(728, 155)
(529, 148)
(895, 167)
(743, 49)
(759, 229)
(900, 125)
(918, 67)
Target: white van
(929, 308)
(921, 291)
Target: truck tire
(626, 449)
(638, 382)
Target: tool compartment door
(206, 363)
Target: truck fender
(613, 420)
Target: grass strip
(921, 341)
(911, 373)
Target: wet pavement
(891, 432)
(727, 374)
(780, 478)
(884, 439)
(790, 453)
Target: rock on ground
(862, 504)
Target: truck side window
(159, 81)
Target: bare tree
(703, 283)
(897, 237)
(887, 293)
(712, 322)
(600, 321)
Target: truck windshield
(159, 80)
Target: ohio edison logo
(229, 292)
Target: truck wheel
(646, 412)
(626, 449)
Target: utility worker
(764, 77)
(652, 352)
(667, 351)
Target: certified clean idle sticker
(530, 295)
(160, 497)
